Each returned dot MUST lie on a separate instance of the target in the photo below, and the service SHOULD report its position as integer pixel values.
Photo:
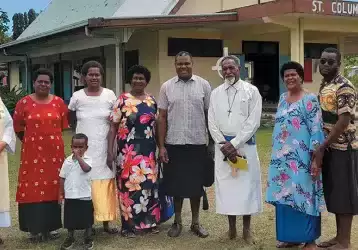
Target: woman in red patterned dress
(39, 119)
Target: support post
(297, 42)
(342, 50)
(119, 68)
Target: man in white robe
(234, 117)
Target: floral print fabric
(137, 170)
(297, 132)
(338, 97)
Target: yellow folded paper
(241, 163)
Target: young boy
(76, 190)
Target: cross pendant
(229, 112)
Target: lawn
(263, 225)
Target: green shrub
(11, 96)
(354, 80)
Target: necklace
(228, 100)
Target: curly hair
(292, 65)
(91, 64)
(42, 71)
(139, 69)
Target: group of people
(313, 164)
(114, 160)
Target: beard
(230, 80)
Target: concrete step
(267, 119)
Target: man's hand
(229, 151)
(110, 160)
(315, 170)
(318, 156)
(163, 155)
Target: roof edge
(177, 7)
(146, 21)
(45, 34)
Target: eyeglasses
(329, 61)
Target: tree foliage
(16, 28)
(349, 62)
(26, 19)
(32, 15)
(21, 21)
(4, 21)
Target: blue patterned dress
(290, 187)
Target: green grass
(263, 225)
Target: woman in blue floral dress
(133, 123)
(294, 184)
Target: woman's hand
(2, 146)
(163, 155)
(315, 169)
(110, 160)
(60, 197)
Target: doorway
(265, 59)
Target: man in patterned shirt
(339, 152)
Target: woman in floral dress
(294, 182)
(39, 120)
(133, 122)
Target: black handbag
(209, 172)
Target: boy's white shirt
(77, 182)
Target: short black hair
(335, 51)
(91, 64)
(292, 65)
(139, 69)
(80, 136)
(42, 71)
(183, 53)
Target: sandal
(327, 244)
(287, 245)
(35, 239)
(154, 230)
(128, 233)
(199, 230)
(175, 230)
(111, 230)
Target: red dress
(42, 152)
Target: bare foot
(248, 237)
(232, 234)
(329, 243)
(310, 246)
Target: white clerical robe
(235, 110)
(7, 135)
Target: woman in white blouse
(90, 110)
(7, 144)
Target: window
(258, 47)
(314, 50)
(196, 47)
(131, 58)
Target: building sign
(335, 7)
